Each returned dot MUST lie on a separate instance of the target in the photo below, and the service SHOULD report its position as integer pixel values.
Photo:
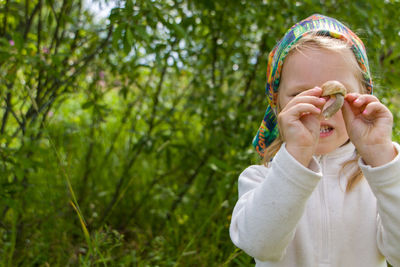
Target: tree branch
(39, 39)
(5, 18)
(7, 110)
(55, 39)
(29, 20)
(250, 78)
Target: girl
(328, 193)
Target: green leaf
(116, 37)
(141, 31)
(88, 104)
(180, 32)
(127, 45)
(129, 36)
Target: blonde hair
(316, 41)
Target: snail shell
(336, 91)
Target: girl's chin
(326, 146)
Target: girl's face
(311, 67)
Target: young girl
(328, 193)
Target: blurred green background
(122, 137)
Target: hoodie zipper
(325, 229)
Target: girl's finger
(316, 101)
(364, 100)
(303, 109)
(358, 100)
(376, 110)
(351, 96)
(316, 91)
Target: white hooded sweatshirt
(289, 215)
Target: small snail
(336, 91)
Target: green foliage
(122, 139)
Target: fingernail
(364, 112)
(357, 100)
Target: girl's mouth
(325, 130)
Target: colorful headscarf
(321, 25)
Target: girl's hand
(299, 124)
(369, 125)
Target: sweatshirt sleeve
(385, 184)
(271, 203)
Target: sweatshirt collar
(345, 151)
